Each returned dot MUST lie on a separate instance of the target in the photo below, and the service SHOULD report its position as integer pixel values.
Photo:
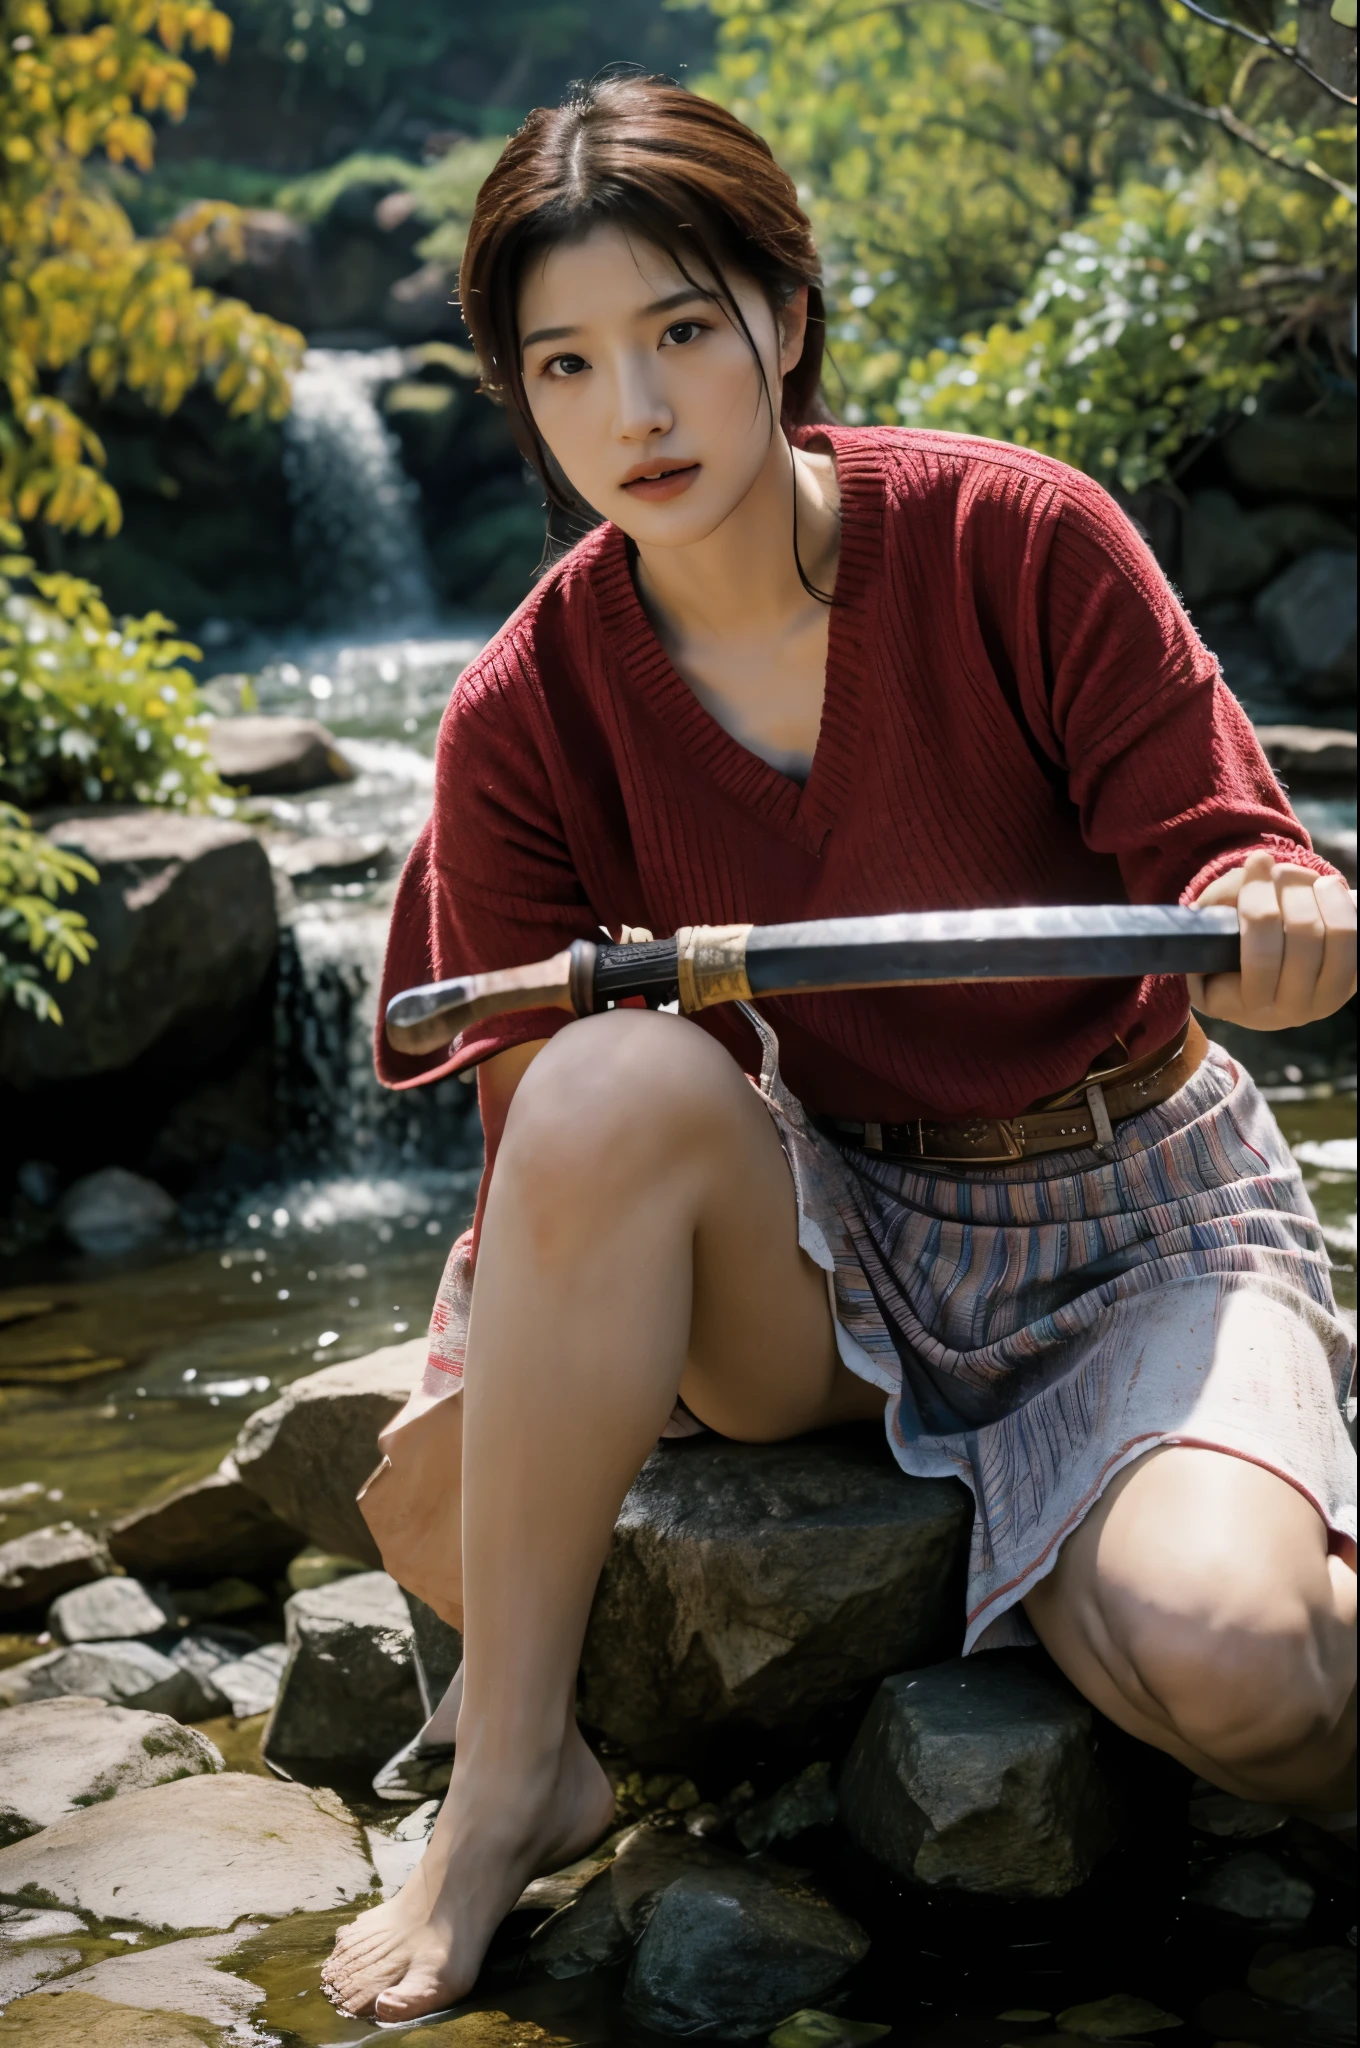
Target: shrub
(34, 930)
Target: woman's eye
(682, 331)
(565, 366)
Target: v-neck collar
(806, 812)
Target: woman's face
(645, 388)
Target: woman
(801, 671)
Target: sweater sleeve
(1162, 762)
(489, 882)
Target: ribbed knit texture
(1018, 711)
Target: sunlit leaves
(79, 292)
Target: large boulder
(183, 913)
(201, 1853)
(177, 1977)
(308, 1453)
(36, 1567)
(1289, 455)
(59, 1755)
(981, 1775)
(1222, 553)
(216, 1527)
(276, 756)
(1309, 616)
(731, 1955)
(126, 1674)
(349, 1692)
(768, 1583)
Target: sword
(707, 964)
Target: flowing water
(339, 1252)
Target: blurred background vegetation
(1112, 229)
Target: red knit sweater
(1017, 711)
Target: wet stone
(808, 1801)
(59, 1755)
(275, 756)
(113, 1211)
(36, 1567)
(48, 2021)
(308, 1453)
(729, 1954)
(250, 1684)
(766, 1584)
(176, 1977)
(126, 1674)
(218, 1525)
(1117, 2018)
(1255, 1888)
(1318, 1981)
(611, 1911)
(980, 1775)
(349, 1690)
(200, 1854)
(108, 1611)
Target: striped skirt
(1036, 1327)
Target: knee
(1247, 1674)
(609, 1102)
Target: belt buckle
(1013, 1141)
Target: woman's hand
(1298, 946)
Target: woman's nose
(641, 411)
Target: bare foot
(423, 1949)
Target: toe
(418, 1992)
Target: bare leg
(1197, 1606)
(640, 1238)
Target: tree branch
(1249, 35)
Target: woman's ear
(792, 330)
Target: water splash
(354, 519)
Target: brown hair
(678, 171)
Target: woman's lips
(669, 484)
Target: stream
(340, 1253)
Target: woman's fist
(1298, 946)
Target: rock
(112, 1211)
(1308, 753)
(397, 1850)
(981, 1776)
(1116, 2018)
(421, 304)
(36, 1567)
(349, 1689)
(808, 1801)
(766, 1583)
(312, 1567)
(810, 2029)
(1288, 455)
(610, 1912)
(1248, 664)
(198, 1854)
(58, 1755)
(424, 417)
(23, 1970)
(1222, 552)
(178, 1977)
(125, 1674)
(49, 2022)
(217, 1525)
(183, 913)
(1255, 1887)
(257, 254)
(250, 1685)
(1244, 1820)
(309, 1452)
(1318, 1981)
(275, 756)
(108, 1610)
(1290, 530)
(1309, 616)
(729, 1955)
(438, 1652)
(352, 857)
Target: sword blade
(1079, 941)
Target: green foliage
(94, 710)
(33, 874)
(445, 191)
(1086, 225)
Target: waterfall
(354, 518)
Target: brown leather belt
(1084, 1114)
